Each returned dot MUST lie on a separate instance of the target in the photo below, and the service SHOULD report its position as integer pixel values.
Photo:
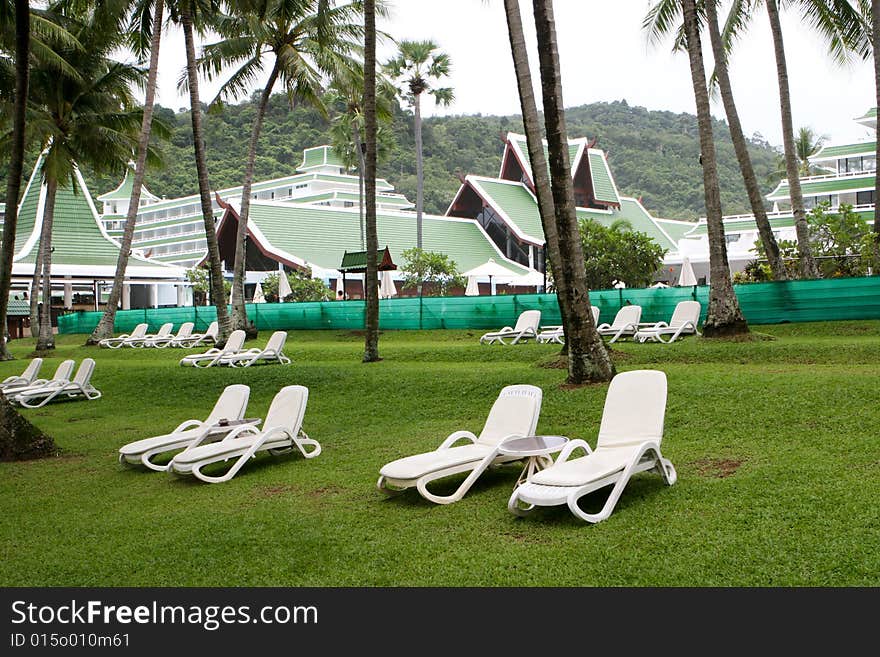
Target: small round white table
(225, 426)
(536, 451)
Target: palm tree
(874, 23)
(307, 40)
(724, 316)
(371, 315)
(104, 329)
(659, 22)
(419, 65)
(588, 359)
(186, 12)
(92, 118)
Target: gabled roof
(320, 156)
(356, 261)
(869, 118)
(123, 192)
(825, 185)
(518, 144)
(604, 189)
(845, 150)
(80, 245)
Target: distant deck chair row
(628, 443)
(233, 355)
(555, 334)
(526, 329)
(39, 392)
(163, 337)
(195, 444)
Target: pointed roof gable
(123, 192)
(320, 157)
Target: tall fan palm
(146, 27)
(724, 316)
(371, 315)
(418, 66)
(307, 40)
(588, 360)
(659, 22)
(91, 119)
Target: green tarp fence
(762, 303)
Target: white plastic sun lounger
(215, 356)
(231, 405)
(273, 353)
(121, 340)
(625, 324)
(282, 432)
(26, 378)
(162, 341)
(555, 334)
(80, 388)
(526, 328)
(684, 321)
(146, 341)
(62, 375)
(196, 339)
(629, 443)
(514, 413)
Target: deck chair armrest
(550, 328)
(237, 431)
(188, 424)
(570, 447)
(603, 327)
(455, 437)
(11, 379)
(505, 329)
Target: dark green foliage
(615, 253)
(430, 267)
(302, 286)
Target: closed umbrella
(283, 286)
(473, 288)
(259, 297)
(687, 277)
(387, 283)
(340, 288)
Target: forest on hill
(653, 154)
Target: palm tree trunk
(420, 174)
(104, 329)
(46, 340)
(532, 126)
(356, 137)
(724, 316)
(371, 287)
(16, 160)
(807, 262)
(239, 311)
(875, 39)
(588, 359)
(35, 287)
(218, 296)
(771, 248)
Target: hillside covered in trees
(653, 154)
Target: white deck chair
(684, 321)
(629, 442)
(115, 343)
(625, 324)
(555, 334)
(282, 432)
(80, 387)
(62, 375)
(215, 356)
(197, 339)
(514, 413)
(145, 341)
(185, 331)
(26, 378)
(526, 328)
(231, 405)
(273, 353)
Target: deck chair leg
(463, 488)
(383, 486)
(517, 507)
(303, 441)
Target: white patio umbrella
(473, 288)
(491, 269)
(388, 289)
(687, 278)
(659, 284)
(283, 286)
(259, 297)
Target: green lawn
(791, 423)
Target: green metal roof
(320, 156)
(515, 201)
(676, 229)
(385, 199)
(573, 147)
(17, 307)
(846, 150)
(123, 192)
(870, 114)
(826, 186)
(741, 224)
(356, 261)
(321, 236)
(603, 184)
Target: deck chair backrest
(235, 341)
(277, 341)
(213, 329)
(685, 311)
(139, 331)
(635, 407)
(595, 311)
(528, 320)
(515, 412)
(231, 405)
(165, 330)
(627, 315)
(185, 330)
(288, 409)
(31, 371)
(84, 373)
(65, 369)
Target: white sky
(605, 57)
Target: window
(733, 237)
(865, 198)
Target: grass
(775, 443)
